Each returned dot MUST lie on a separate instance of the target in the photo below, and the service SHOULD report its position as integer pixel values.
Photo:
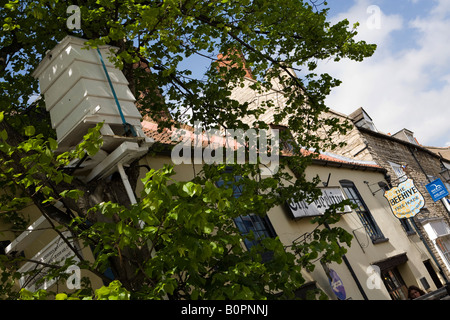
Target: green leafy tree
(188, 224)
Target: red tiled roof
(173, 136)
(360, 163)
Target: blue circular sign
(337, 285)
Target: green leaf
(53, 144)
(26, 294)
(119, 227)
(29, 131)
(4, 135)
(73, 194)
(114, 291)
(46, 157)
(61, 296)
(191, 189)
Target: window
(362, 211)
(362, 120)
(444, 246)
(399, 171)
(365, 123)
(287, 142)
(406, 135)
(260, 226)
(411, 138)
(439, 231)
(407, 226)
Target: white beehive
(77, 93)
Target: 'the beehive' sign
(405, 200)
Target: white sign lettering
(329, 197)
(56, 252)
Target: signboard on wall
(405, 200)
(56, 252)
(337, 285)
(437, 190)
(318, 207)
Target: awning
(391, 262)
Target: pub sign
(405, 200)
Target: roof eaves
(394, 139)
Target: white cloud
(399, 87)
(374, 25)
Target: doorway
(433, 274)
(394, 284)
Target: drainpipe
(352, 272)
(420, 166)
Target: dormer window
(410, 137)
(368, 124)
(406, 135)
(361, 119)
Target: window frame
(443, 243)
(363, 212)
(399, 172)
(407, 227)
(260, 226)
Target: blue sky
(406, 83)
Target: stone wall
(419, 164)
(355, 144)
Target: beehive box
(77, 93)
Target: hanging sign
(437, 190)
(318, 207)
(337, 285)
(405, 200)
